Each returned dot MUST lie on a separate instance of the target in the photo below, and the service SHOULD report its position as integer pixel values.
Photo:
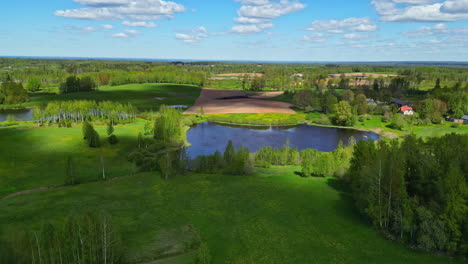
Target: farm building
(465, 119)
(406, 110)
(400, 103)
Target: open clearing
(216, 101)
(270, 217)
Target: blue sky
(275, 30)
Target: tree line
(84, 238)
(415, 190)
(59, 112)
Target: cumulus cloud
(131, 32)
(421, 10)
(255, 16)
(194, 35)
(249, 29)
(455, 7)
(356, 36)
(107, 26)
(100, 3)
(440, 31)
(119, 9)
(315, 38)
(120, 35)
(428, 31)
(341, 26)
(139, 24)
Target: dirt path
(215, 101)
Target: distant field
(143, 96)
(271, 217)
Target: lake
(23, 113)
(207, 138)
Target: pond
(207, 138)
(23, 113)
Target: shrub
(113, 139)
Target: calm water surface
(207, 138)
(17, 113)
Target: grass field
(270, 217)
(267, 119)
(142, 96)
(36, 157)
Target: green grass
(33, 157)
(436, 130)
(141, 96)
(266, 119)
(270, 217)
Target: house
(400, 103)
(465, 119)
(406, 110)
(455, 120)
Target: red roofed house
(406, 110)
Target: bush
(113, 139)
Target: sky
(252, 30)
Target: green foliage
(234, 162)
(33, 85)
(344, 115)
(90, 135)
(282, 156)
(398, 121)
(113, 139)
(110, 129)
(433, 109)
(74, 84)
(13, 93)
(168, 126)
(415, 190)
(87, 238)
(79, 111)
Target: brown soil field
(255, 103)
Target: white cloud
(421, 10)
(131, 32)
(120, 35)
(455, 7)
(89, 29)
(356, 36)
(119, 9)
(254, 16)
(428, 31)
(315, 38)
(249, 29)
(340, 26)
(194, 35)
(139, 24)
(249, 20)
(270, 10)
(102, 2)
(107, 26)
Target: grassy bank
(278, 218)
(267, 119)
(142, 96)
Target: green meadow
(272, 216)
(142, 96)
